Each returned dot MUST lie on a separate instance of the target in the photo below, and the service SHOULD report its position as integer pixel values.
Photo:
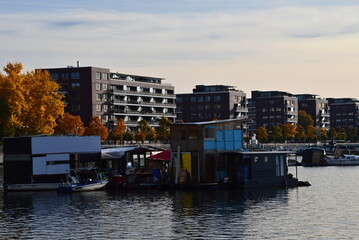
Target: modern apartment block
(269, 108)
(209, 102)
(317, 108)
(344, 112)
(93, 91)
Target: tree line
(305, 131)
(30, 103)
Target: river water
(329, 209)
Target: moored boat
(83, 187)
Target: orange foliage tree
(96, 128)
(289, 131)
(69, 124)
(32, 99)
(119, 131)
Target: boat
(318, 157)
(82, 180)
(83, 187)
(344, 160)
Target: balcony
(136, 93)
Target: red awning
(162, 156)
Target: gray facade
(344, 112)
(270, 108)
(93, 91)
(317, 108)
(209, 102)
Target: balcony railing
(114, 91)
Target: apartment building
(317, 108)
(93, 91)
(269, 108)
(344, 112)
(209, 102)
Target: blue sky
(295, 46)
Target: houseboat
(212, 154)
(44, 162)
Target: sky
(298, 47)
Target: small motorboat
(82, 180)
(83, 187)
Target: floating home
(212, 153)
(135, 166)
(42, 162)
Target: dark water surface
(329, 209)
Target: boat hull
(93, 186)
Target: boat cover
(162, 156)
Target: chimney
(78, 63)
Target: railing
(114, 91)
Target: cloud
(228, 35)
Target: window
(76, 108)
(217, 98)
(207, 98)
(75, 85)
(98, 97)
(65, 76)
(179, 99)
(104, 86)
(98, 86)
(54, 76)
(193, 99)
(75, 75)
(98, 75)
(104, 107)
(98, 107)
(104, 76)
(200, 99)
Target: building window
(98, 75)
(104, 76)
(98, 107)
(217, 98)
(75, 75)
(76, 108)
(64, 76)
(207, 98)
(98, 97)
(179, 99)
(54, 76)
(200, 99)
(104, 86)
(98, 86)
(104, 108)
(193, 99)
(75, 85)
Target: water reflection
(132, 214)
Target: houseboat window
(142, 160)
(265, 159)
(255, 159)
(135, 160)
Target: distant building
(93, 91)
(317, 108)
(270, 108)
(209, 102)
(344, 112)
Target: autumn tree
(163, 130)
(289, 131)
(305, 119)
(276, 134)
(144, 128)
(352, 134)
(311, 134)
(96, 128)
(119, 131)
(32, 100)
(332, 134)
(300, 134)
(341, 135)
(262, 134)
(140, 137)
(128, 136)
(69, 124)
(323, 134)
